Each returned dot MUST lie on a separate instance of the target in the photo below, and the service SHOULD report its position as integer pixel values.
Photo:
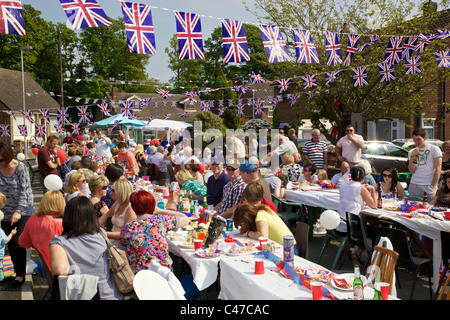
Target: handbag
(122, 273)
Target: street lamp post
(22, 49)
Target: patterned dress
(198, 188)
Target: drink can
(229, 225)
(271, 247)
(288, 244)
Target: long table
(427, 226)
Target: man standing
(48, 159)
(292, 137)
(425, 163)
(102, 144)
(232, 191)
(315, 151)
(348, 148)
(216, 182)
(68, 140)
(127, 157)
(282, 146)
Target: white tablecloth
(315, 197)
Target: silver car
(383, 154)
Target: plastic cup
(384, 288)
(198, 243)
(259, 267)
(317, 290)
(263, 243)
(201, 235)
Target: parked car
(408, 143)
(382, 154)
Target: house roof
(35, 96)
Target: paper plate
(207, 253)
(186, 246)
(349, 278)
(243, 251)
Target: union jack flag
(351, 48)
(164, 93)
(83, 114)
(144, 103)
(85, 14)
(412, 65)
(133, 117)
(273, 101)
(443, 34)
(293, 98)
(305, 49)
(331, 76)
(257, 79)
(155, 104)
(184, 114)
(409, 46)
(333, 49)
(116, 123)
(205, 106)
(11, 17)
(235, 46)
(4, 130)
(59, 128)
(127, 108)
(249, 101)
(11, 114)
(173, 104)
(221, 111)
(164, 104)
(139, 28)
(283, 84)
(27, 114)
(189, 34)
(240, 110)
(309, 81)
(241, 89)
(40, 130)
(443, 58)
(373, 39)
(258, 106)
(423, 42)
(311, 94)
(394, 50)
(360, 76)
(274, 44)
(62, 115)
(167, 116)
(386, 71)
(190, 95)
(75, 128)
(231, 102)
(45, 115)
(150, 119)
(104, 108)
(220, 103)
(23, 130)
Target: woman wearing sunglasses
(390, 184)
(99, 186)
(77, 182)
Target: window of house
(428, 126)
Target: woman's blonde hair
(139, 148)
(114, 151)
(182, 176)
(123, 189)
(74, 177)
(322, 174)
(97, 182)
(288, 159)
(52, 203)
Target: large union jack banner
(283, 84)
(360, 76)
(189, 34)
(85, 14)
(386, 71)
(139, 28)
(274, 44)
(332, 48)
(351, 48)
(23, 130)
(127, 109)
(62, 115)
(305, 49)
(40, 130)
(235, 46)
(83, 114)
(394, 50)
(11, 17)
(309, 81)
(164, 93)
(45, 115)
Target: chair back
(301, 237)
(399, 242)
(382, 265)
(357, 231)
(149, 285)
(445, 248)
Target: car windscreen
(394, 151)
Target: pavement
(35, 286)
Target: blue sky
(163, 20)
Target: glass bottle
(377, 294)
(379, 200)
(358, 288)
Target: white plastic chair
(149, 285)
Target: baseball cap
(234, 163)
(217, 159)
(247, 167)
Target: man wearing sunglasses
(348, 148)
(232, 191)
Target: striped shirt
(315, 152)
(232, 194)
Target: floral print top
(293, 171)
(145, 238)
(198, 188)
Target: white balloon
(53, 182)
(330, 219)
(20, 156)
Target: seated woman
(442, 197)
(98, 185)
(80, 249)
(145, 238)
(309, 175)
(352, 198)
(76, 183)
(187, 182)
(113, 172)
(390, 184)
(121, 212)
(194, 169)
(46, 223)
(290, 168)
(259, 221)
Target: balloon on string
(20, 156)
(202, 167)
(61, 154)
(330, 219)
(35, 151)
(53, 182)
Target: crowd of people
(68, 226)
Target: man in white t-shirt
(348, 148)
(425, 163)
(102, 145)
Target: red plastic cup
(259, 267)
(317, 290)
(201, 235)
(384, 288)
(263, 243)
(198, 243)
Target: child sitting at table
(3, 238)
(324, 182)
